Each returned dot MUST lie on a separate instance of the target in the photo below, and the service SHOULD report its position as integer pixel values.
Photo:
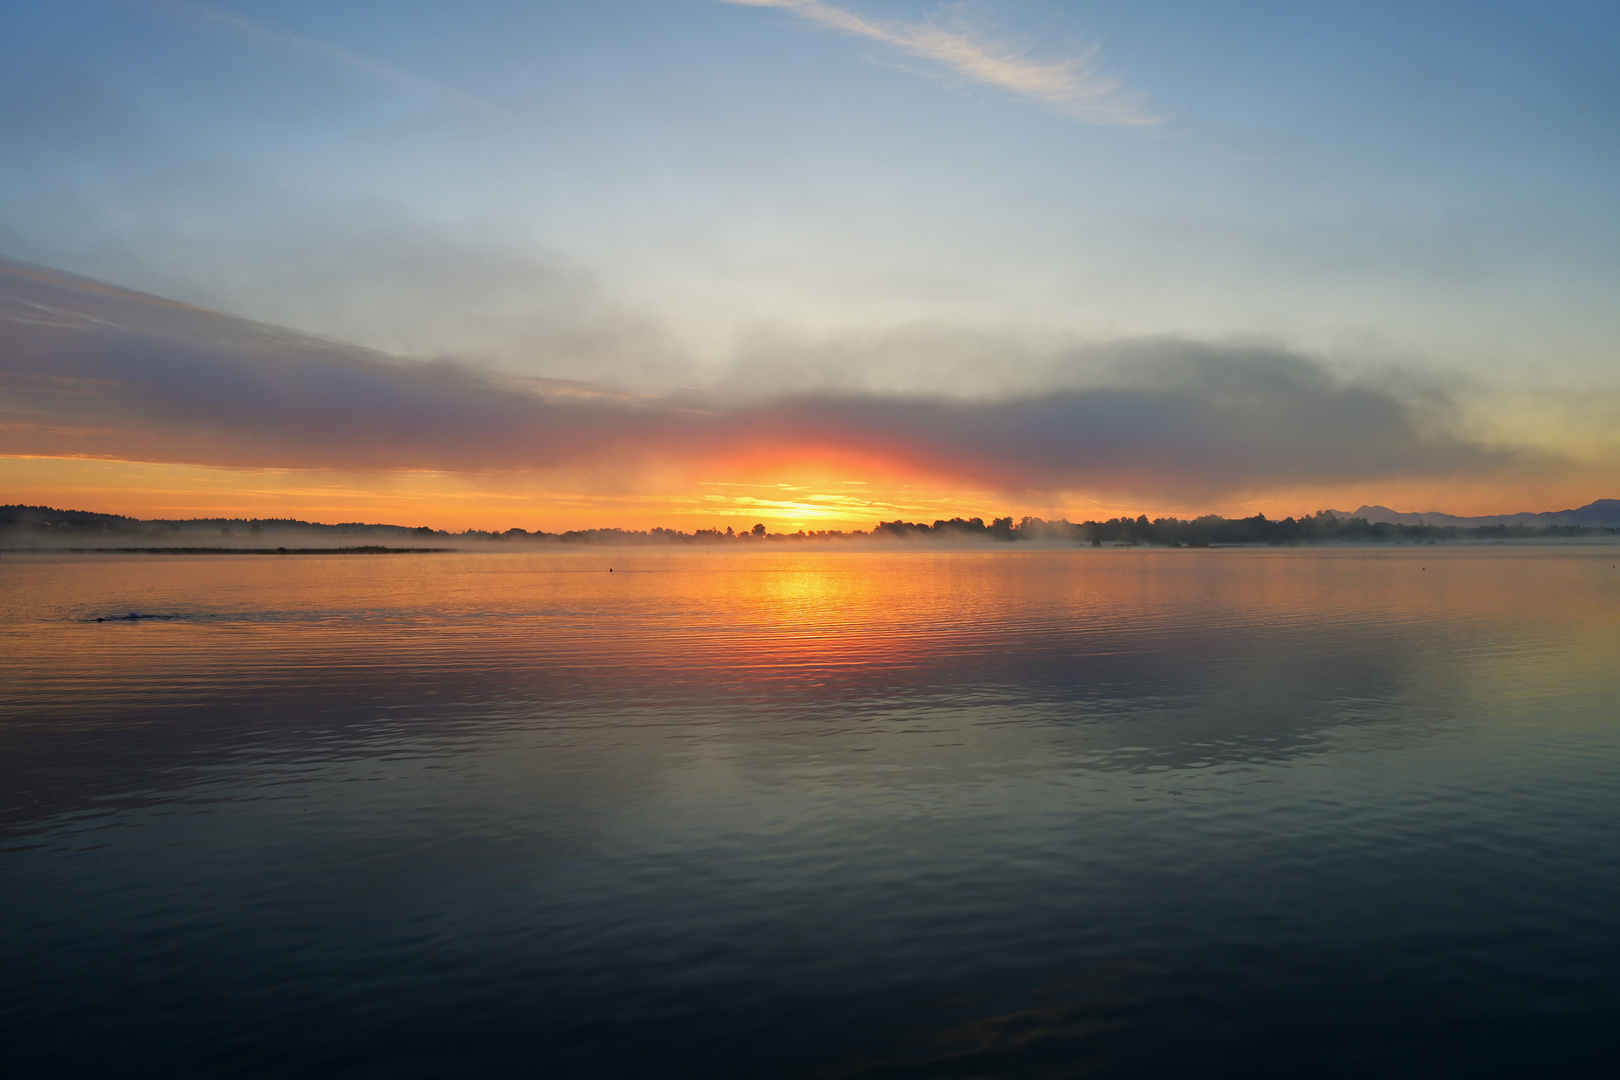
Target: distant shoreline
(856, 544)
(44, 529)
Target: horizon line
(10, 517)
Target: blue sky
(964, 199)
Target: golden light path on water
(750, 617)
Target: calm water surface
(847, 814)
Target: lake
(823, 813)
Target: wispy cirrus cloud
(324, 51)
(1070, 85)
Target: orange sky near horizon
(808, 496)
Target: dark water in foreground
(1021, 814)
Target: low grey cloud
(91, 370)
(1171, 418)
(88, 369)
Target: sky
(707, 262)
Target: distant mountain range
(1604, 513)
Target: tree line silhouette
(35, 523)
(1322, 527)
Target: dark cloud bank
(87, 369)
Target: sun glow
(457, 501)
(807, 497)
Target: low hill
(1603, 514)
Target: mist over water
(853, 813)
